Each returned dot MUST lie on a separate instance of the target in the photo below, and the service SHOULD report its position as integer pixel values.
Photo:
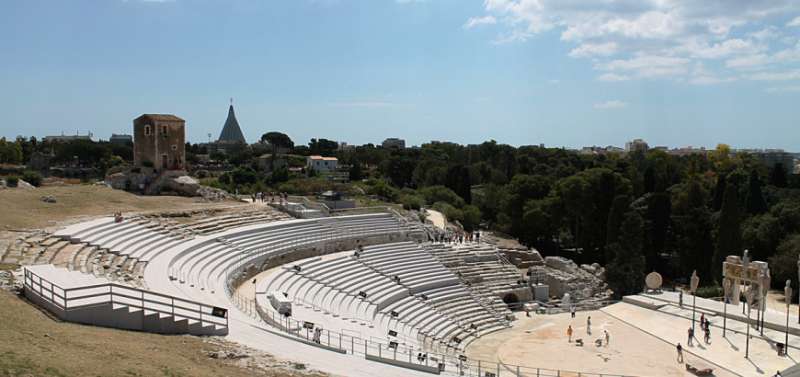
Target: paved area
(727, 352)
(541, 342)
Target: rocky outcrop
(523, 257)
(562, 276)
(176, 182)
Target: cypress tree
(625, 273)
(729, 234)
(719, 191)
(755, 199)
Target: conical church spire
(231, 133)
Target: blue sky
(559, 72)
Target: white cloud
(783, 89)
(722, 49)
(478, 21)
(769, 32)
(612, 77)
(748, 61)
(594, 49)
(648, 66)
(618, 35)
(610, 105)
(776, 76)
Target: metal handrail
(140, 297)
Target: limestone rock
(564, 276)
(25, 185)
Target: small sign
(392, 333)
(462, 357)
(395, 314)
(219, 312)
(308, 325)
(393, 345)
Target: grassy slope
(32, 344)
(24, 209)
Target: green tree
(783, 265)
(355, 173)
(761, 234)
(755, 199)
(729, 234)
(323, 147)
(719, 192)
(777, 176)
(625, 273)
(458, 180)
(659, 209)
(619, 208)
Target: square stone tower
(159, 139)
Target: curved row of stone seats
(337, 284)
(333, 286)
(206, 263)
(338, 297)
(215, 224)
(413, 265)
(135, 238)
(410, 263)
(284, 278)
(481, 266)
(44, 248)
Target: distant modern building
(686, 151)
(67, 138)
(121, 139)
(343, 146)
(159, 141)
(394, 143)
(636, 145)
(322, 164)
(595, 150)
(772, 157)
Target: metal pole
(786, 342)
(694, 301)
(747, 341)
(724, 314)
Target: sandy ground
(541, 342)
(23, 208)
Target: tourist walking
(608, 337)
(690, 336)
(589, 325)
(572, 311)
(680, 298)
(569, 334)
(707, 336)
(680, 353)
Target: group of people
(261, 197)
(606, 336)
(459, 238)
(705, 327)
